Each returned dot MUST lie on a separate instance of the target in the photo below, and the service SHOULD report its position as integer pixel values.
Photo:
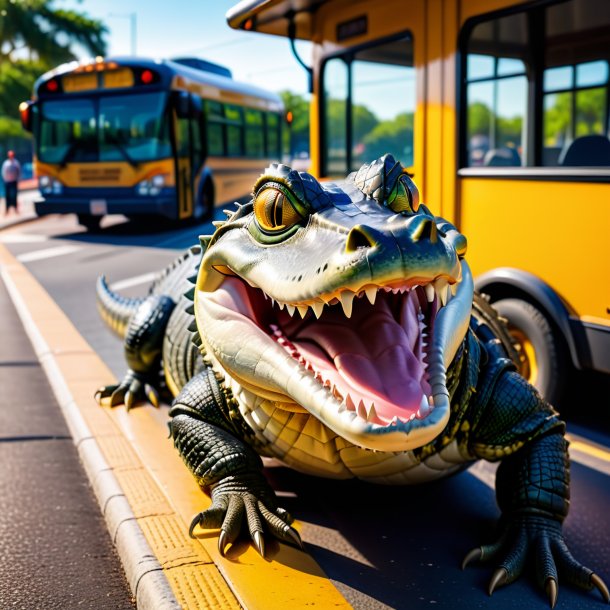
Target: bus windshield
(131, 128)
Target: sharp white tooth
(318, 308)
(266, 297)
(371, 294)
(429, 292)
(280, 304)
(395, 290)
(362, 410)
(441, 289)
(347, 299)
(290, 308)
(394, 421)
(302, 310)
(453, 288)
(342, 407)
(373, 414)
(412, 417)
(272, 302)
(349, 403)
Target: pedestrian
(11, 172)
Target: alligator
(335, 327)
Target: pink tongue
(373, 355)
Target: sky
(171, 28)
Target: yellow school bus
(148, 137)
(501, 110)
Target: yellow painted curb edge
(144, 573)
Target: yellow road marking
(161, 491)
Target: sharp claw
(128, 400)
(115, 399)
(474, 555)
(601, 586)
(294, 536)
(152, 395)
(497, 580)
(259, 543)
(222, 542)
(194, 523)
(551, 590)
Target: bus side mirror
(26, 111)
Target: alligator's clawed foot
(228, 511)
(542, 537)
(132, 389)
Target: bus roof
(169, 69)
(274, 16)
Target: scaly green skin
(250, 395)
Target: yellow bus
(148, 137)
(501, 110)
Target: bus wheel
(542, 352)
(203, 211)
(91, 223)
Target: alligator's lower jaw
(287, 360)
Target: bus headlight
(48, 185)
(151, 187)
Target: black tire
(543, 352)
(91, 223)
(203, 210)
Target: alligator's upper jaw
(376, 378)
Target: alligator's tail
(115, 310)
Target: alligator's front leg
(532, 489)
(225, 467)
(143, 347)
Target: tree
(391, 136)
(44, 33)
(299, 129)
(35, 37)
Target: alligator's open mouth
(370, 350)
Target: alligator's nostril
(426, 230)
(360, 237)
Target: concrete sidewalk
(25, 205)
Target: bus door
(189, 151)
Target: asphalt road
(382, 547)
(55, 550)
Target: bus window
(335, 114)
(215, 129)
(234, 127)
(575, 85)
(539, 100)
(68, 131)
(255, 137)
(369, 105)
(133, 128)
(496, 92)
(273, 135)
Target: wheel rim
(529, 363)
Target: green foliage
(393, 135)
(298, 132)
(47, 33)
(34, 37)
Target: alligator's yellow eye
(273, 210)
(404, 196)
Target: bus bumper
(162, 206)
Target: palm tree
(37, 30)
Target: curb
(144, 572)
